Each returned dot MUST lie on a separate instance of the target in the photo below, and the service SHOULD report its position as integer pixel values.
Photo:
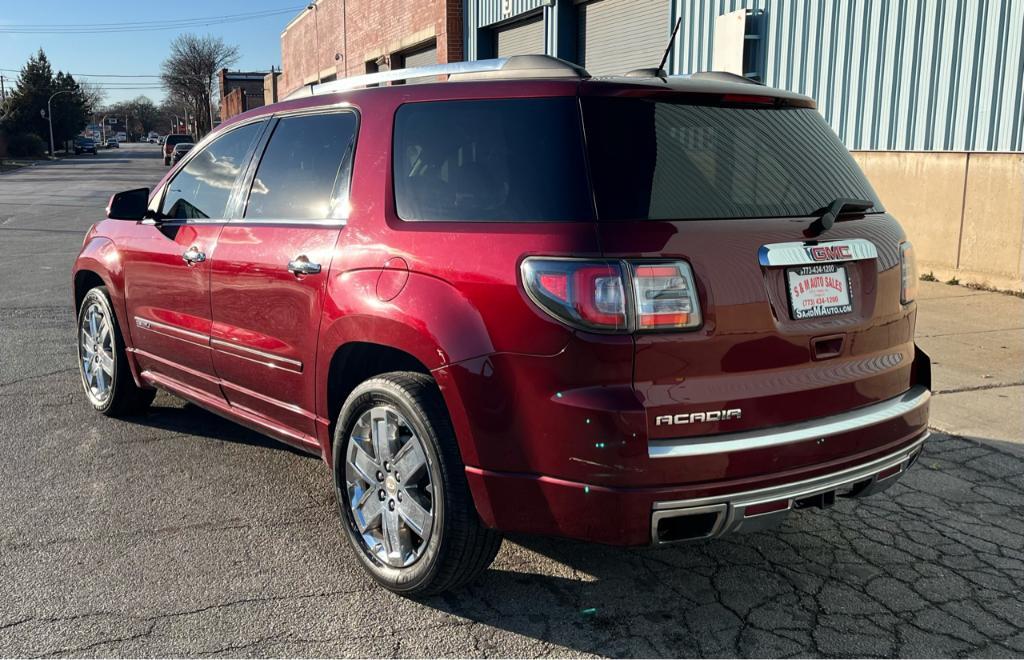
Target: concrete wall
(964, 212)
(354, 32)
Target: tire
(167, 161)
(458, 548)
(102, 361)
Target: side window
(304, 173)
(490, 160)
(203, 187)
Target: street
(183, 534)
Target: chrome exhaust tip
(688, 524)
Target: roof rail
(501, 68)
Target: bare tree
(94, 95)
(189, 73)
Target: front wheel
(402, 491)
(102, 361)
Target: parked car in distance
(691, 323)
(85, 146)
(180, 150)
(112, 143)
(170, 141)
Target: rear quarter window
(490, 160)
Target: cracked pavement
(183, 534)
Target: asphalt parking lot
(182, 534)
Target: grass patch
(11, 164)
(982, 287)
(953, 281)
(929, 277)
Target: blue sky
(140, 52)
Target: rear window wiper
(834, 210)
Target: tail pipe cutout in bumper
(686, 520)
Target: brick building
(337, 38)
(240, 91)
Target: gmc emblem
(697, 417)
(829, 252)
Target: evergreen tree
(27, 104)
(33, 87)
(70, 111)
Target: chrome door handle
(193, 256)
(301, 265)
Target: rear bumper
(684, 520)
(881, 442)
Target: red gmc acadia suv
(631, 310)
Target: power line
(141, 26)
(153, 22)
(102, 75)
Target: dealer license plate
(819, 290)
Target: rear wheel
(402, 488)
(167, 161)
(102, 361)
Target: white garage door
(616, 36)
(520, 38)
(424, 57)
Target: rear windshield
(178, 139)
(525, 160)
(672, 161)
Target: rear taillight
(665, 296)
(908, 273)
(614, 296)
(588, 294)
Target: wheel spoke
(415, 516)
(393, 542)
(101, 380)
(93, 325)
(381, 432)
(90, 372)
(368, 510)
(106, 362)
(364, 464)
(410, 459)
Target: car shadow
(194, 420)
(931, 567)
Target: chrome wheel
(96, 352)
(390, 491)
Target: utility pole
(3, 92)
(49, 115)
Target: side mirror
(128, 205)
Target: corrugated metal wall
(494, 11)
(888, 74)
(524, 37)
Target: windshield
(672, 161)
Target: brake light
(908, 273)
(748, 98)
(593, 294)
(589, 294)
